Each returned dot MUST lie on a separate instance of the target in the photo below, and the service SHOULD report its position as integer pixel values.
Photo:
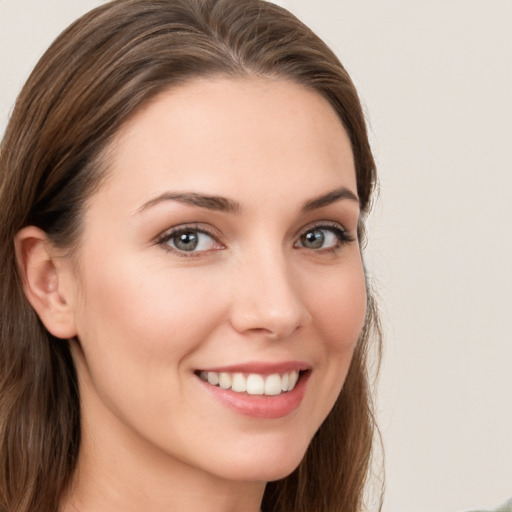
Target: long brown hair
(95, 76)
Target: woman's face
(222, 247)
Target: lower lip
(262, 406)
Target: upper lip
(260, 367)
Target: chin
(269, 472)
(263, 464)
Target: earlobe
(40, 272)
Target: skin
(148, 317)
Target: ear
(42, 275)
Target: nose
(267, 298)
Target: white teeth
(284, 382)
(224, 381)
(292, 380)
(239, 383)
(213, 378)
(273, 385)
(254, 383)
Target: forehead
(230, 136)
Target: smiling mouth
(253, 383)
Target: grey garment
(506, 507)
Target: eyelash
(342, 235)
(343, 238)
(166, 237)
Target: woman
(184, 185)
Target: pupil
(314, 239)
(186, 241)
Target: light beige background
(436, 79)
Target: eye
(324, 237)
(189, 240)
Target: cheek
(339, 305)
(139, 326)
(135, 317)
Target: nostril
(271, 324)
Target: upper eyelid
(322, 224)
(168, 233)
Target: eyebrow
(223, 204)
(216, 203)
(329, 198)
